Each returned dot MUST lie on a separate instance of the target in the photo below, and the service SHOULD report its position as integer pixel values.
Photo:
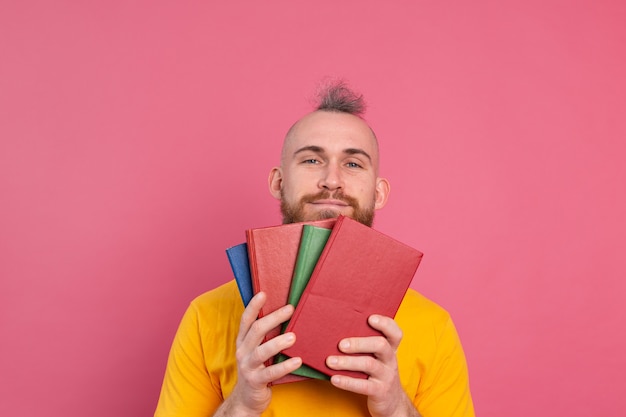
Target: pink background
(136, 138)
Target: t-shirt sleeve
(445, 390)
(187, 388)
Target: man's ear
(275, 182)
(382, 193)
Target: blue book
(238, 258)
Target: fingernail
(332, 360)
(344, 344)
(374, 319)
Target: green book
(311, 246)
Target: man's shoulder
(416, 306)
(223, 298)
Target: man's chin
(313, 215)
(326, 214)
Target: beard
(294, 213)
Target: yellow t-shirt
(202, 369)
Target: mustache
(325, 195)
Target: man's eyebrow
(357, 151)
(320, 150)
(312, 148)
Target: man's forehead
(330, 129)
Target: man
(328, 167)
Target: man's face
(329, 167)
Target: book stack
(335, 272)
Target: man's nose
(332, 178)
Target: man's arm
(187, 387)
(251, 395)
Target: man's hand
(251, 395)
(385, 396)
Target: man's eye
(310, 161)
(353, 165)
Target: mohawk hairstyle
(336, 96)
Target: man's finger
(253, 333)
(388, 327)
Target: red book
(272, 253)
(360, 272)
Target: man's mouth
(330, 202)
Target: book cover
(311, 246)
(238, 259)
(272, 252)
(360, 272)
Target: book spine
(254, 273)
